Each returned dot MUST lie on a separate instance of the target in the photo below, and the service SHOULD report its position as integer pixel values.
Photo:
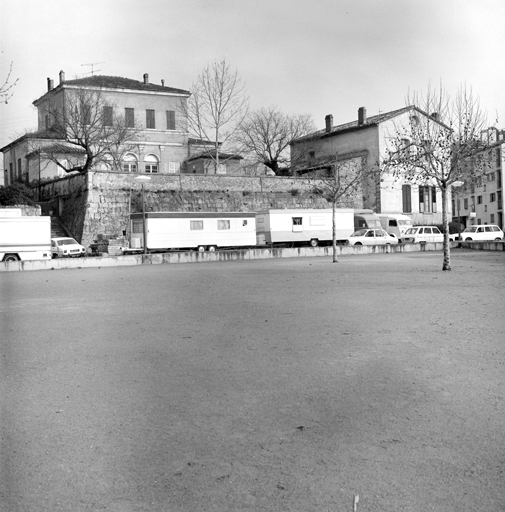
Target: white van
(395, 223)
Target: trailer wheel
(212, 248)
(11, 257)
(314, 242)
(201, 248)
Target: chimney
(361, 116)
(62, 77)
(50, 84)
(329, 123)
(162, 83)
(146, 78)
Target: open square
(263, 385)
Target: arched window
(130, 163)
(151, 163)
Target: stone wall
(101, 202)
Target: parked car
(482, 232)
(423, 234)
(372, 237)
(66, 247)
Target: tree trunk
(334, 230)
(445, 223)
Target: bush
(17, 193)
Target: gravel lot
(276, 385)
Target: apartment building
(481, 201)
(160, 144)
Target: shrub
(17, 193)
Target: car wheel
(11, 257)
(54, 256)
(314, 242)
(201, 248)
(497, 239)
(358, 243)
(468, 240)
(212, 248)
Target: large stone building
(365, 141)
(160, 144)
(482, 201)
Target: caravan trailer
(204, 231)
(297, 226)
(366, 219)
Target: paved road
(280, 385)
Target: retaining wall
(101, 202)
(237, 255)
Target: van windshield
(470, 229)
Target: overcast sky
(314, 57)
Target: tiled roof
(42, 134)
(115, 82)
(212, 155)
(353, 125)
(58, 147)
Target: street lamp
(142, 179)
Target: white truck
(204, 231)
(366, 219)
(395, 224)
(299, 226)
(24, 237)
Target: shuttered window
(407, 199)
(170, 120)
(107, 116)
(129, 115)
(150, 122)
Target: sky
(314, 57)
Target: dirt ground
(277, 385)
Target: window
(129, 117)
(151, 164)
(465, 203)
(137, 226)
(405, 147)
(174, 167)
(170, 120)
(11, 173)
(47, 121)
(150, 120)
(19, 168)
(297, 221)
(223, 224)
(499, 199)
(130, 163)
(479, 199)
(86, 114)
(427, 199)
(492, 217)
(491, 176)
(498, 181)
(492, 197)
(498, 157)
(407, 199)
(107, 116)
(196, 225)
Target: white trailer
(24, 238)
(298, 226)
(193, 230)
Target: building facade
(365, 142)
(482, 201)
(160, 144)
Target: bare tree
(216, 108)
(266, 133)
(90, 125)
(441, 145)
(344, 180)
(6, 91)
